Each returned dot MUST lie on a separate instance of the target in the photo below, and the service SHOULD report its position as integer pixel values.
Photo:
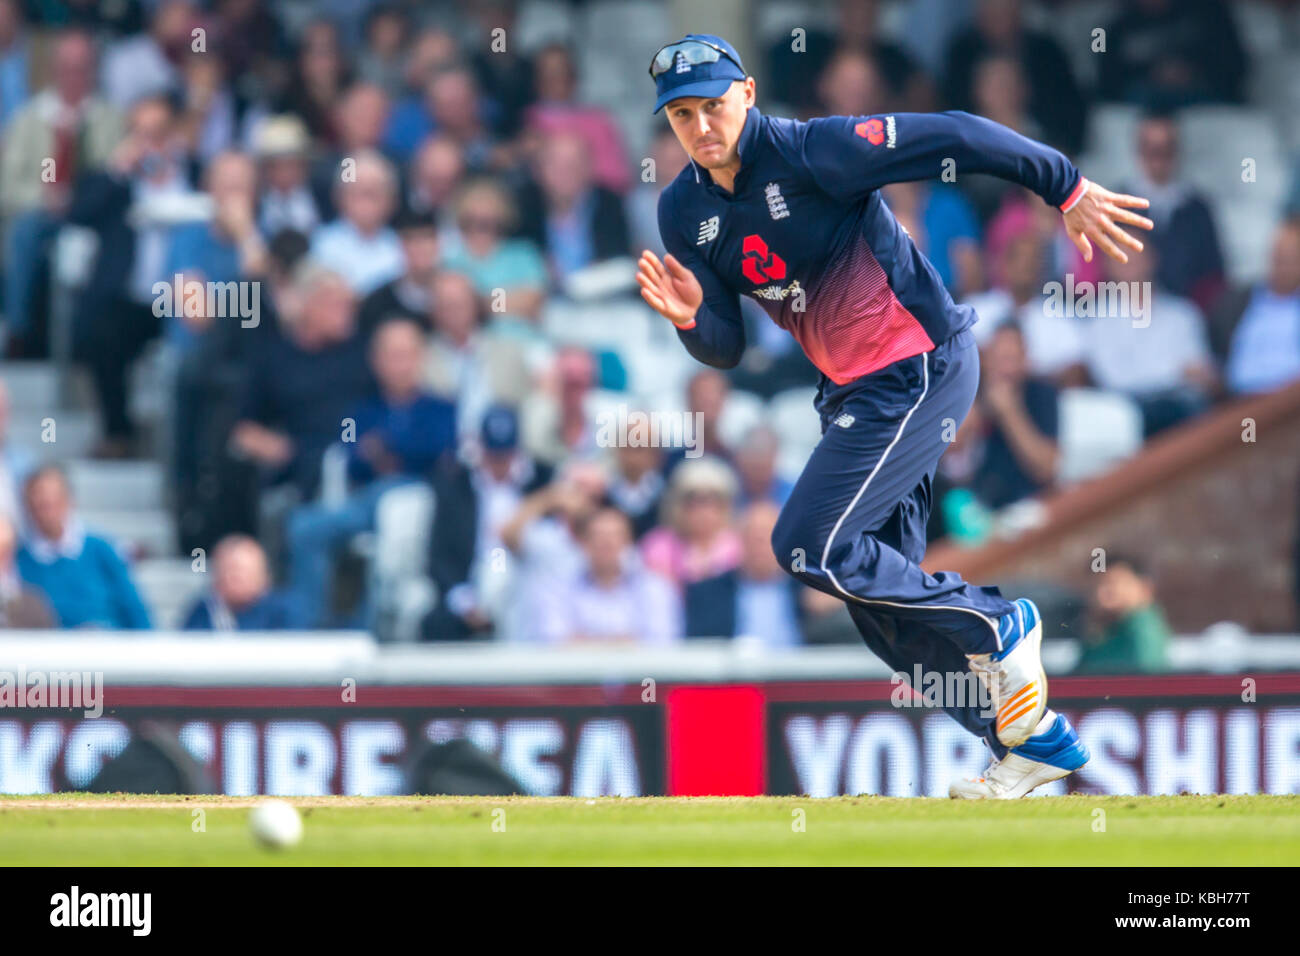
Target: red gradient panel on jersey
(716, 741)
(854, 324)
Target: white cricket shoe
(1014, 675)
(1053, 752)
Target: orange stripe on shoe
(1025, 692)
(1020, 713)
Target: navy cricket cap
(699, 64)
(500, 429)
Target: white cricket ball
(275, 824)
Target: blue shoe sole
(1060, 747)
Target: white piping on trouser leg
(826, 551)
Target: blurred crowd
(407, 198)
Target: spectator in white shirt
(1265, 349)
(287, 202)
(542, 538)
(756, 601)
(1054, 344)
(470, 362)
(145, 64)
(360, 245)
(1157, 352)
(612, 598)
(477, 496)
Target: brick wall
(1215, 516)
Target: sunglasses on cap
(695, 52)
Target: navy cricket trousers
(854, 525)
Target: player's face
(709, 129)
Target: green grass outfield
(121, 829)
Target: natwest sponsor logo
(760, 264)
(876, 131)
(778, 293)
(872, 130)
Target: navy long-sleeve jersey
(808, 236)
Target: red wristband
(1075, 196)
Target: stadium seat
(1112, 136)
(657, 374)
(168, 587)
(602, 406)
(543, 21)
(776, 19)
(616, 325)
(74, 255)
(1071, 25)
(741, 412)
(76, 433)
(401, 590)
(1261, 25)
(623, 20)
(138, 533)
(1097, 429)
(1246, 233)
(135, 486)
(794, 419)
(603, 281)
(1215, 141)
(1275, 86)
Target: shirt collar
(749, 134)
(748, 140)
(47, 551)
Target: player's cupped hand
(669, 288)
(1098, 217)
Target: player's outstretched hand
(1096, 218)
(669, 288)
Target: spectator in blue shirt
(14, 60)
(574, 220)
(755, 462)
(359, 245)
(756, 600)
(611, 598)
(391, 440)
(1264, 353)
(303, 381)
(241, 598)
(86, 580)
(943, 226)
(227, 249)
(1017, 418)
(448, 103)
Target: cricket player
(789, 213)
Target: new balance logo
(775, 201)
(708, 231)
(845, 420)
